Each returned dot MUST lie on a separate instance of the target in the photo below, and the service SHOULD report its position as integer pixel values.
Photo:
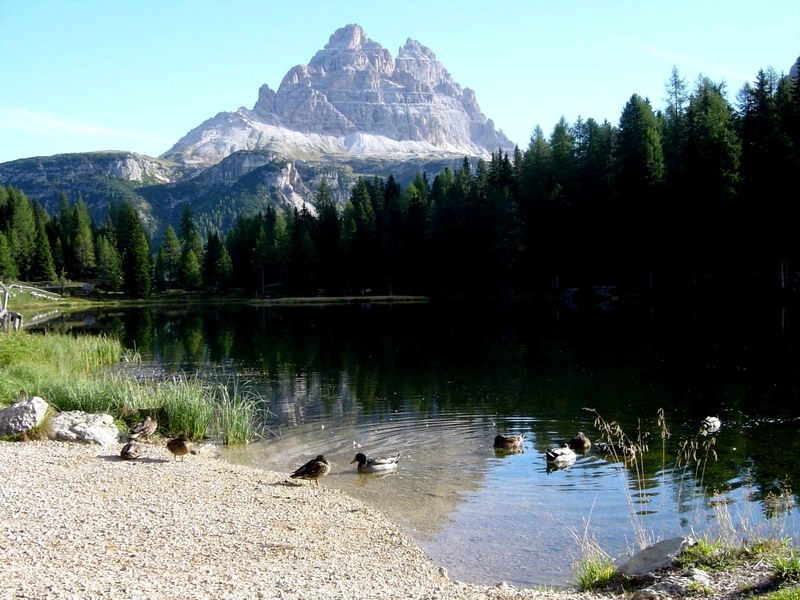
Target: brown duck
(314, 469)
(131, 451)
(179, 446)
(144, 429)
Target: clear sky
(82, 75)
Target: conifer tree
(134, 251)
(109, 265)
(42, 267)
(8, 267)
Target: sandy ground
(78, 522)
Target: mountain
(353, 99)
(353, 111)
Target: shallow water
(438, 383)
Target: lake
(438, 382)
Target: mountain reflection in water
(438, 383)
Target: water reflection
(439, 383)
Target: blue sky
(82, 75)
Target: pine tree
(81, 242)
(42, 267)
(171, 248)
(134, 251)
(8, 267)
(328, 240)
(22, 231)
(109, 265)
(640, 178)
(192, 276)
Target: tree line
(697, 195)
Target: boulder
(657, 556)
(23, 416)
(79, 426)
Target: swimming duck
(580, 443)
(509, 443)
(179, 446)
(710, 425)
(315, 469)
(375, 465)
(131, 451)
(562, 455)
(144, 429)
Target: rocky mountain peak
(353, 98)
(349, 36)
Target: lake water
(437, 383)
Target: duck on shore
(179, 446)
(144, 429)
(131, 451)
(313, 470)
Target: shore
(77, 521)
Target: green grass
(784, 594)
(787, 567)
(236, 414)
(594, 570)
(73, 373)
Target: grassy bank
(77, 373)
(754, 553)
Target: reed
(73, 373)
(237, 407)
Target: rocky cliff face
(50, 174)
(353, 98)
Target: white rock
(79, 426)
(654, 557)
(22, 416)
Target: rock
(23, 416)
(683, 584)
(654, 557)
(79, 426)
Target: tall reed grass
(73, 373)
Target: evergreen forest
(697, 196)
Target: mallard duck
(509, 443)
(144, 429)
(710, 425)
(315, 469)
(580, 443)
(179, 446)
(375, 465)
(131, 451)
(562, 455)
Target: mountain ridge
(353, 111)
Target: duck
(580, 443)
(375, 465)
(710, 425)
(314, 470)
(131, 451)
(144, 429)
(562, 455)
(509, 443)
(179, 446)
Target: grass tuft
(595, 570)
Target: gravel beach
(76, 521)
